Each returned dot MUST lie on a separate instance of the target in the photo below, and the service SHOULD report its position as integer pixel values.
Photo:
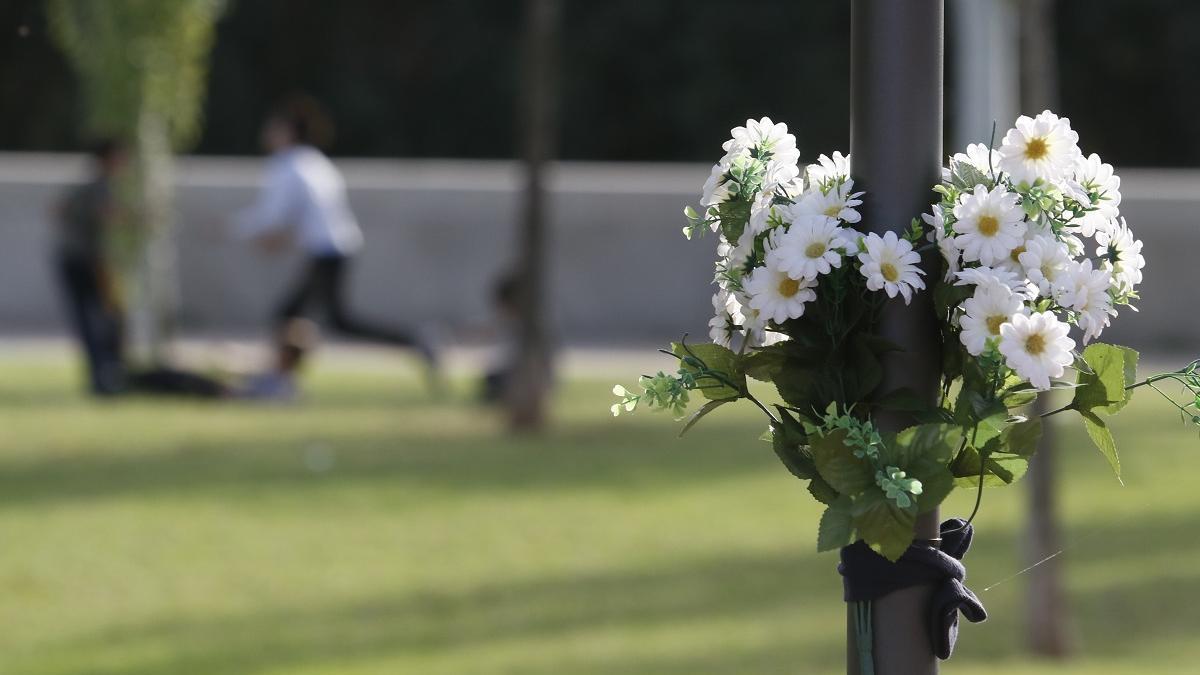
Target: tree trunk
(155, 282)
(1047, 621)
(526, 395)
(896, 155)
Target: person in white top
(303, 200)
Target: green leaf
(924, 452)
(788, 439)
(1019, 394)
(1022, 438)
(934, 443)
(836, 463)
(837, 527)
(991, 426)
(1098, 431)
(936, 485)
(764, 364)
(822, 491)
(965, 176)
(1104, 387)
(887, 528)
(715, 358)
(704, 410)
(902, 400)
(734, 216)
(999, 469)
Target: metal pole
(896, 154)
(526, 395)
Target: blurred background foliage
(439, 77)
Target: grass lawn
(368, 530)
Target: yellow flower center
(1036, 149)
(788, 287)
(833, 211)
(994, 323)
(889, 271)
(989, 225)
(1016, 253)
(815, 250)
(1035, 344)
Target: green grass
(371, 531)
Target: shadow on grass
(630, 605)
(584, 456)
(539, 612)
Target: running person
(304, 199)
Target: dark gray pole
(526, 395)
(896, 157)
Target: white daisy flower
(1044, 261)
(990, 224)
(1043, 147)
(806, 249)
(890, 263)
(743, 251)
(1089, 224)
(764, 135)
(978, 155)
(756, 325)
(848, 240)
(782, 176)
(1122, 255)
(1092, 175)
(983, 276)
(828, 168)
(716, 189)
(945, 243)
(764, 213)
(728, 317)
(1085, 290)
(776, 295)
(1036, 347)
(992, 306)
(838, 203)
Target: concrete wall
(439, 232)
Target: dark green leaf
(704, 410)
(1022, 438)
(734, 216)
(836, 528)
(788, 439)
(887, 528)
(902, 400)
(836, 463)
(936, 485)
(923, 443)
(822, 491)
(764, 364)
(715, 358)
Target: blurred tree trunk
(143, 66)
(526, 395)
(155, 284)
(1047, 622)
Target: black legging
(97, 326)
(323, 283)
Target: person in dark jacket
(85, 214)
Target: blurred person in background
(85, 215)
(303, 201)
(295, 340)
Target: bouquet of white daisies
(1035, 261)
